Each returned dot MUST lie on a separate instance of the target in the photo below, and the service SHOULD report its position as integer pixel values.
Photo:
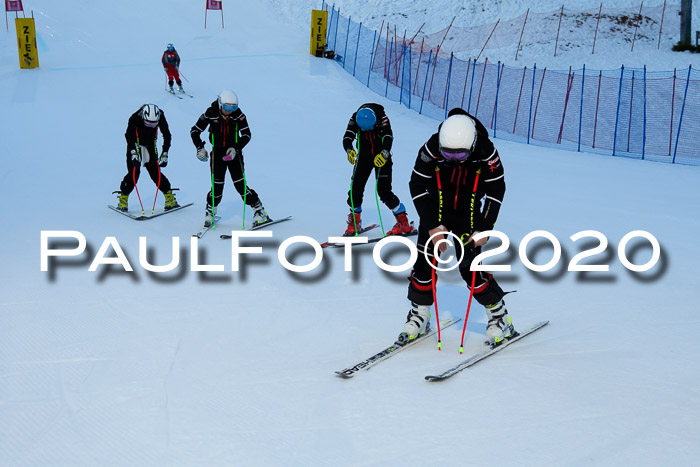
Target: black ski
(145, 217)
(329, 244)
(485, 354)
(260, 226)
(206, 229)
(174, 94)
(378, 239)
(390, 351)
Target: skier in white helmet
(455, 169)
(141, 149)
(228, 134)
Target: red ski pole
(137, 191)
(437, 316)
(471, 294)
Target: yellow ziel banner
(26, 43)
(319, 18)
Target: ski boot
(123, 204)
(170, 201)
(180, 88)
(354, 224)
(402, 226)
(499, 325)
(417, 324)
(260, 215)
(208, 216)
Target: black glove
(163, 159)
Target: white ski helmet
(457, 138)
(228, 101)
(151, 115)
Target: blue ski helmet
(366, 119)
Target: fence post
(580, 111)
(532, 95)
(556, 43)
(420, 56)
(597, 103)
(466, 78)
(481, 86)
(371, 59)
(337, 20)
(537, 104)
(347, 36)
(637, 25)
(410, 59)
(520, 95)
(447, 85)
(617, 113)
(495, 106)
(403, 57)
(357, 47)
(391, 50)
(330, 27)
(569, 85)
(471, 88)
(595, 36)
(427, 70)
(629, 124)
(673, 100)
(661, 27)
(521, 34)
(374, 47)
(644, 131)
(680, 119)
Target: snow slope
(236, 368)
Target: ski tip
(433, 378)
(343, 375)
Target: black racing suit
(449, 194)
(137, 134)
(369, 144)
(225, 132)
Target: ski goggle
(150, 124)
(229, 107)
(171, 47)
(455, 155)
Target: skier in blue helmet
(367, 143)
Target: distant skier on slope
(455, 169)
(370, 129)
(171, 65)
(229, 134)
(141, 148)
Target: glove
(135, 158)
(202, 154)
(380, 159)
(163, 159)
(352, 156)
(231, 153)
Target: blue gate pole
(495, 107)
(371, 56)
(580, 111)
(680, 119)
(391, 50)
(449, 79)
(532, 94)
(471, 87)
(422, 98)
(410, 73)
(403, 60)
(617, 113)
(644, 131)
